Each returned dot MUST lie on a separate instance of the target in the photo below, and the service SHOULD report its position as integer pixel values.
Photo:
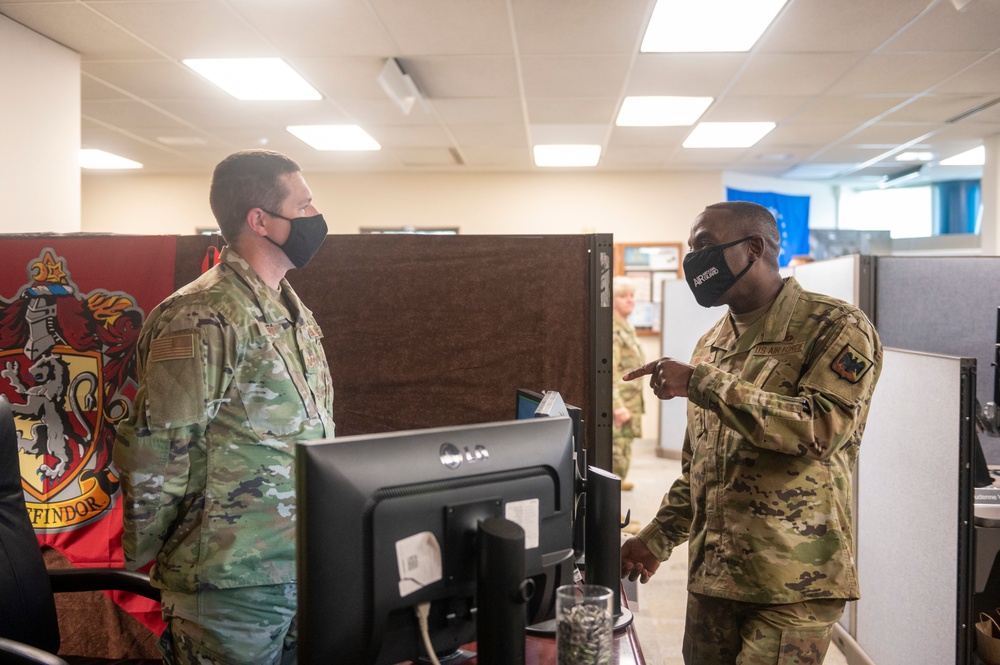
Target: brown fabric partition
(427, 331)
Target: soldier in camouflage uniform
(626, 397)
(231, 374)
(778, 393)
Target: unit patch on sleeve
(850, 364)
(173, 347)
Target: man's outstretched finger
(645, 370)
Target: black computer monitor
(527, 406)
(373, 508)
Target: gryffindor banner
(70, 312)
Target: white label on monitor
(525, 514)
(419, 560)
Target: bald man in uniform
(778, 393)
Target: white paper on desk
(525, 514)
(419, 560)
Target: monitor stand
(602, 538)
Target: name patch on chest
(850, 364)
(779, 349)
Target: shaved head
(753, 219)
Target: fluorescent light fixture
(661, 111)
(98, 159)
(335, 137)
(686, 26)
(727, 134)
(974, 157)
(567, 155)
(255, 78)
(914, 156)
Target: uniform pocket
(272, 402)
(804, 646)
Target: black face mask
(304, 239)
(708, 274)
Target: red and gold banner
(71, 308)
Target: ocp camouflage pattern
(231, 374)
(626, 355)
(775, 420)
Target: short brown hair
(245, 180)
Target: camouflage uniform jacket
(228, 380)
(775, 420)
(626, 355)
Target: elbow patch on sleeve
(174, 380)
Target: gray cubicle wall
(684, 321)
(913, 529)
(945, 305)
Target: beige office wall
(636, 207)
(39, 132)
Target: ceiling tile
(311, 29)
(901, 73)
(78, 28)
(983, 76)
(793, 74)
(447, 27)
(153, 79)
(817, 26)
(572, 110)
(857, 109)
(936, 108)
(470, 111)
(943, 28)
(574, 76)
(491, 135)
(420, 136)
(219, 32)
(127, 112)
(688, 74)
(464, 76)
(753, 109)
(580, 27)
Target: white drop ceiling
(849, 82)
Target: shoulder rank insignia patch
(850, 364)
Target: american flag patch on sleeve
(173, 347)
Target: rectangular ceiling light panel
(661, 111)
(99, 159)
(255, 79)
(727, 134)
(335, 137)
(689, 26)
(567, 155)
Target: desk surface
(542, 650)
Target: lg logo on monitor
(452, 457)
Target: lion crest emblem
(65, 363)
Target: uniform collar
(775, 320)
(268, 299)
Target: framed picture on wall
(648, 265)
